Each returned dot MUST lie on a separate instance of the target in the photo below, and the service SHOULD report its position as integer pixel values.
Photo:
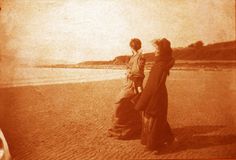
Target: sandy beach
(63, 63)
(70, 121)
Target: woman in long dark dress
(153, 101)
(127, 122)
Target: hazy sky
(77, 30)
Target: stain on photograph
(117, 79)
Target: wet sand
(70, 121)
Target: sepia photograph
(117, 79)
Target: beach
(70, 120)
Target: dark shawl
(151, 99)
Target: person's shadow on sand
(196, 137)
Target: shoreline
(179, 65)
(75, 77)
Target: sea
(32, 76)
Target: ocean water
(44, 76)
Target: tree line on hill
(195, 51)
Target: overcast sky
(78, 30)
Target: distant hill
(212, 55)
(224, 51)
(96, 63)
(217, 51)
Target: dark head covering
(165, 51)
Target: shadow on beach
(197, 137)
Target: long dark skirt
(127, 122)
(156, 132)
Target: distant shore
(179, 65)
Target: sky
(78, 30)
